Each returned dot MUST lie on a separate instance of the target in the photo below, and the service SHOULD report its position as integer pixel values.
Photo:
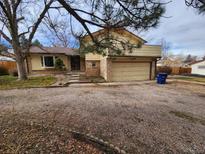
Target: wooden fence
(9, 65)
(174, 70)
(181, 70)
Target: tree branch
(77, 17)
(35, 27)
(5, 37)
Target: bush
(3, 71)
(13, 72)
(59, 65)
(164, 69)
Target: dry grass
(10, 82)
(197, 79)
(188, 116)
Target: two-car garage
(130, 71)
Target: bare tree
(189, 58)
(15, 21)
(198, 4)
(58, 30)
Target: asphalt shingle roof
(54, 50)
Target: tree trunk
(22, 74)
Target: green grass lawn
(10, 82)
(197, 79)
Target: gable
(119, 33)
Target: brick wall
(92, 68)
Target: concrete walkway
(73, 80)
(62, 79)
(111, 83)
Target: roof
(199, 61)
(117, 29)
(54, 50)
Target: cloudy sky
(184, 30)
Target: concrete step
(73, 81)
(75, 75)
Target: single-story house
(42, 59)
(198, 67)
(138, 64)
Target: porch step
(75, 75)
(73, 81)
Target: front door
(75, 63)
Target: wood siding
(146, 50)
(91, 56)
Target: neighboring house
(172, 62)
(140, 64)
(198, 67)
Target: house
(198, 67)
(139, 63)
(42, 59)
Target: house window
(47, 61)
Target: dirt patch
(18, 136)
(135, 118)
(188, 116)
(181, 102)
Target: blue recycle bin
(161, 78)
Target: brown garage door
(126, 71)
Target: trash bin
(161, 78)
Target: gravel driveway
(146, 118)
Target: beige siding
(130, 71)
(82, 64)
(146, 50)
(198, 68)
(36, 61)
(91, 56)
(103, 68)
(153, 70)
(125, 37)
